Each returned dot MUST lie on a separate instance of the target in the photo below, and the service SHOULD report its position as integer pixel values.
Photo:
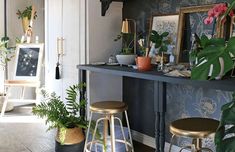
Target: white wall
(1, 35)
(101, 32)
(14, 24)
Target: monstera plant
(215, 57)
(225, 134)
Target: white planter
(126, 59)
(10, 105)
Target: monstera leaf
(215, 52)
(225, 134)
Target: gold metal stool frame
(195, 128)
(108, 109)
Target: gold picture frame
(182, 19)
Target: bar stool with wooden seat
(108, 109)
(195, 128)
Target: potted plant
(160, 42)
(64, 117)
(225, 133)
(216, 55)
(126, 56)
(25, 15)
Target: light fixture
(126, 29)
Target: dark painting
(27, 62)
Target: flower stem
(213, 27)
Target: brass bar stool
(195, 128)
(108, 109)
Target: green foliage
(212, 50)
(160, 40)
(225, 133)
(59, 114)
(127, 40)
(5, 54)
(26, 13)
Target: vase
(126, 59)
(74, 140)
(143, 63)
(25, 23)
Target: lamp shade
(126, 26)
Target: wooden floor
(22, 132)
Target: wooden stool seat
(109, 107)
(194, 127)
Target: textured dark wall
(182, 101)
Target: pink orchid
(208, 20)
(219, 9)
(231, 14)
(211, 13)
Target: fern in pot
(64, 117)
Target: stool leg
(123, 134)
(172, 137)
(87, 134)
(94, 133)
(112, 133)
(129, 130)
(186, 147)
(198, 143)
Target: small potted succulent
(25, 15)
(65, 118)
(126, 56)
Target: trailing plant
(225, 133)
(214, 51)
(62, 115)
(161, 41)
(6, 54)
(26, 13)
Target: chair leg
(172, 138)
(112, 133)
(129, 130)
(123, 134)
(87, 134)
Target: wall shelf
(105, 5)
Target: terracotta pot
(25, 23)
(143, 63)
(72, 136)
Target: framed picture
(28, 61)
(166, 23)
(191, 21)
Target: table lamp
(126, 29)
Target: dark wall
(182, 101)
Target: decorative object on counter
(60, 53)
(224, 136)
(26, 15)
(64, 117)
(143, 63)
(127, 55)
(160, 42)
(186, 28)
(166, 23)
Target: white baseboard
(150, 141)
